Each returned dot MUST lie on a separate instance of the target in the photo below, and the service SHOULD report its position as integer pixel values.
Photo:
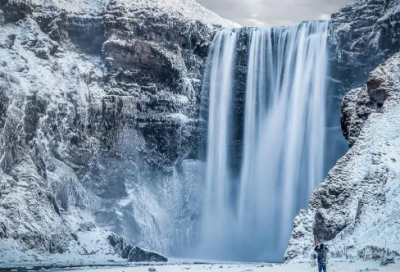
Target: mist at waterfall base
(266, 138)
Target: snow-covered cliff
(356, 209)
(99, 104)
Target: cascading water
(248, 214)
(220, 73)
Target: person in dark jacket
(322, 252)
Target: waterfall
(220, 73)
(248, 212)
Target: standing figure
(322, 252)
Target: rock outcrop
(363, 35)
(99, 104)
(356, 210)
(133, 254)
(137, 254)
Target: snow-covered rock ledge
(357, 209)
(89, 245)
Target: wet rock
(118, 243)
(140, 255)
(126, 251)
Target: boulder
(117, 242)
(140, 255)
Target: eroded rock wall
(363, 35)
(99, 112)
(356, 209)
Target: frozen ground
(334, 266)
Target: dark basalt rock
(126, 251)
(140, 255)
(87, 33)
(116, 242)
(362, 35)
(15, 10)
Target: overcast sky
(273, 12)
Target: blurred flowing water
(249, 207)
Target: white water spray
(249, 216)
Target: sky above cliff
(273, 12)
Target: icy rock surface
(98, 120)
(356, 210)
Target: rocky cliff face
(356, 208)
(363, 34)
(99, 105)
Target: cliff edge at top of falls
(356, 210)
(98, 116)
